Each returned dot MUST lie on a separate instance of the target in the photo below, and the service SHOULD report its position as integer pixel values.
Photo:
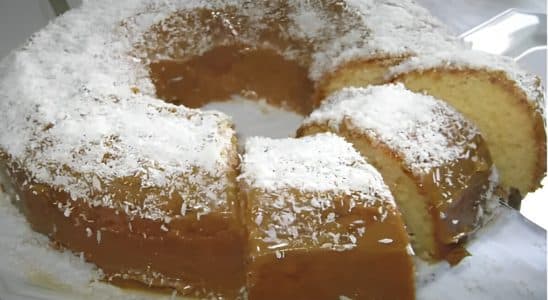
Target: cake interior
(360, 73)
(517, 141)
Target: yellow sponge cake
(506, 104)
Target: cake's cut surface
(435, 162)
(322, 224)
(506, 104)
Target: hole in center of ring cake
(258, 118)
(265, 93)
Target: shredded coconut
(301, 182)
(321, 163)
(386, 241)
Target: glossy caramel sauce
(299, 268)
(457, 197)
(192, 254)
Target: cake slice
(173, 223)
(506, 104)
(322, 224)
(435, 162)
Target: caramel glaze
(454, 221)
(237, 69)
(371, 270)
(193, 255)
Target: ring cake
(109, 155)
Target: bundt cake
(434, 161)
(110, 157)
(506, 104)
(322, 224)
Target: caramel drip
(457, 194)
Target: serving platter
(508, 255)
